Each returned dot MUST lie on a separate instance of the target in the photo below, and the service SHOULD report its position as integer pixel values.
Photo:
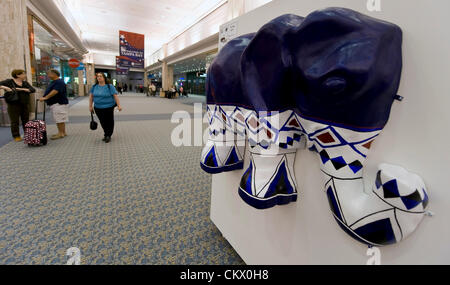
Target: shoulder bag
(12, 96)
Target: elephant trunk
(395, 206)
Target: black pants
(18, 111)
(106, 117)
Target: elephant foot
(269, 181)
(222, 158)
(386, 216)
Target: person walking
(56, 97)
(103, 99)
(17, 96)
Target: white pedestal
(416, 137)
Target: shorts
(60, 113)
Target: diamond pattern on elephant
(410, 200)
(339, 162)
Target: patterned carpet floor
(138, 200)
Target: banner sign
(132, 48)
(122, 61)
(120, 71)
(122, 65)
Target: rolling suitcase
(36, 130)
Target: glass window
(47, 51)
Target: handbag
(94, 124)
(12, 96)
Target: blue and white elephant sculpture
(327, 83)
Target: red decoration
(326, 138)
(294, 123)
(74, 63)
(368, 145)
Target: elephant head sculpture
(326, 82)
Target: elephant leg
(224, 151)
(270, 179)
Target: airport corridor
(136, 200)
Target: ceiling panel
(160, 20)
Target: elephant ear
(266, 66)
(348, 67)
(225, 147)
(224, 80)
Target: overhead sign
(132, 48)
(74, 63)
(122, 71)
(81, 67)
(122, 61)
(46, 60)
(122, 65)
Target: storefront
(133, 78)
(48, 51)
(192, 82)
(191, 73)
(155, 76)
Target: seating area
(171, 95)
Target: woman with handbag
(17, 96)
(103, 99)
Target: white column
(81, 83)
(14, 45)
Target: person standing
(181, 91)
(103, 99)
(153, 88)
(17, 97)
(56, 97)
(147, 90)
(172, 92)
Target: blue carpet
(137, 200)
